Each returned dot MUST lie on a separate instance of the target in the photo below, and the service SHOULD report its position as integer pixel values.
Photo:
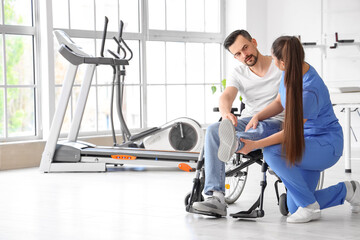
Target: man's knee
(212, 130)
(242, 123)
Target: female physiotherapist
(311, 140)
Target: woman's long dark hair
(290, 51)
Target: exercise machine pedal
(185, 167)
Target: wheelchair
(236, 172)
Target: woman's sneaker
(228, 140)
(305, 214)
(211, 206)
(355, 200)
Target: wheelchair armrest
(216, 109)
(233, 110)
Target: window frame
(180, 36)
(31, 31)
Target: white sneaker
(211, 205)
(306, 214)
(355, 200)
(228, 140)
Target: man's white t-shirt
(256, 92)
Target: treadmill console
(64, 39)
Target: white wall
(342, 65)
(299, 17)
(235, 18)
(256, 20)
(303, 18)
(315, 21)
(244, 14)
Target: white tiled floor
(149, 204)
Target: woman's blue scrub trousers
(301, 180)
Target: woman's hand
(253, 123)
(249, 145)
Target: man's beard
(255, 60)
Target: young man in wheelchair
(257, 79)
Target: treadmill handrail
(77, 59)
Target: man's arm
(225, 103)
(271, 110)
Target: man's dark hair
(232, 37)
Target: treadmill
(71, 155)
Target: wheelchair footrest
(248, 214)
(192, 210)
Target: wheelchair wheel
(187, 199)
(234, 185)
(282, 199)
(282, 205)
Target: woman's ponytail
(290, 50)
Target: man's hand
(231, 117)
(252, 124)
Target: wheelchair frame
(256, 210)
(253, 157)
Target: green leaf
(223, 83)
(213, 89)
(240, 98)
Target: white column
(45, 50)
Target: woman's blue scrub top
(322, 124)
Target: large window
(81, 27)
(177, 58)
(183, 59)
(185, 15)
(18, 87)
(179, 80)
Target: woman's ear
(282, 64)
